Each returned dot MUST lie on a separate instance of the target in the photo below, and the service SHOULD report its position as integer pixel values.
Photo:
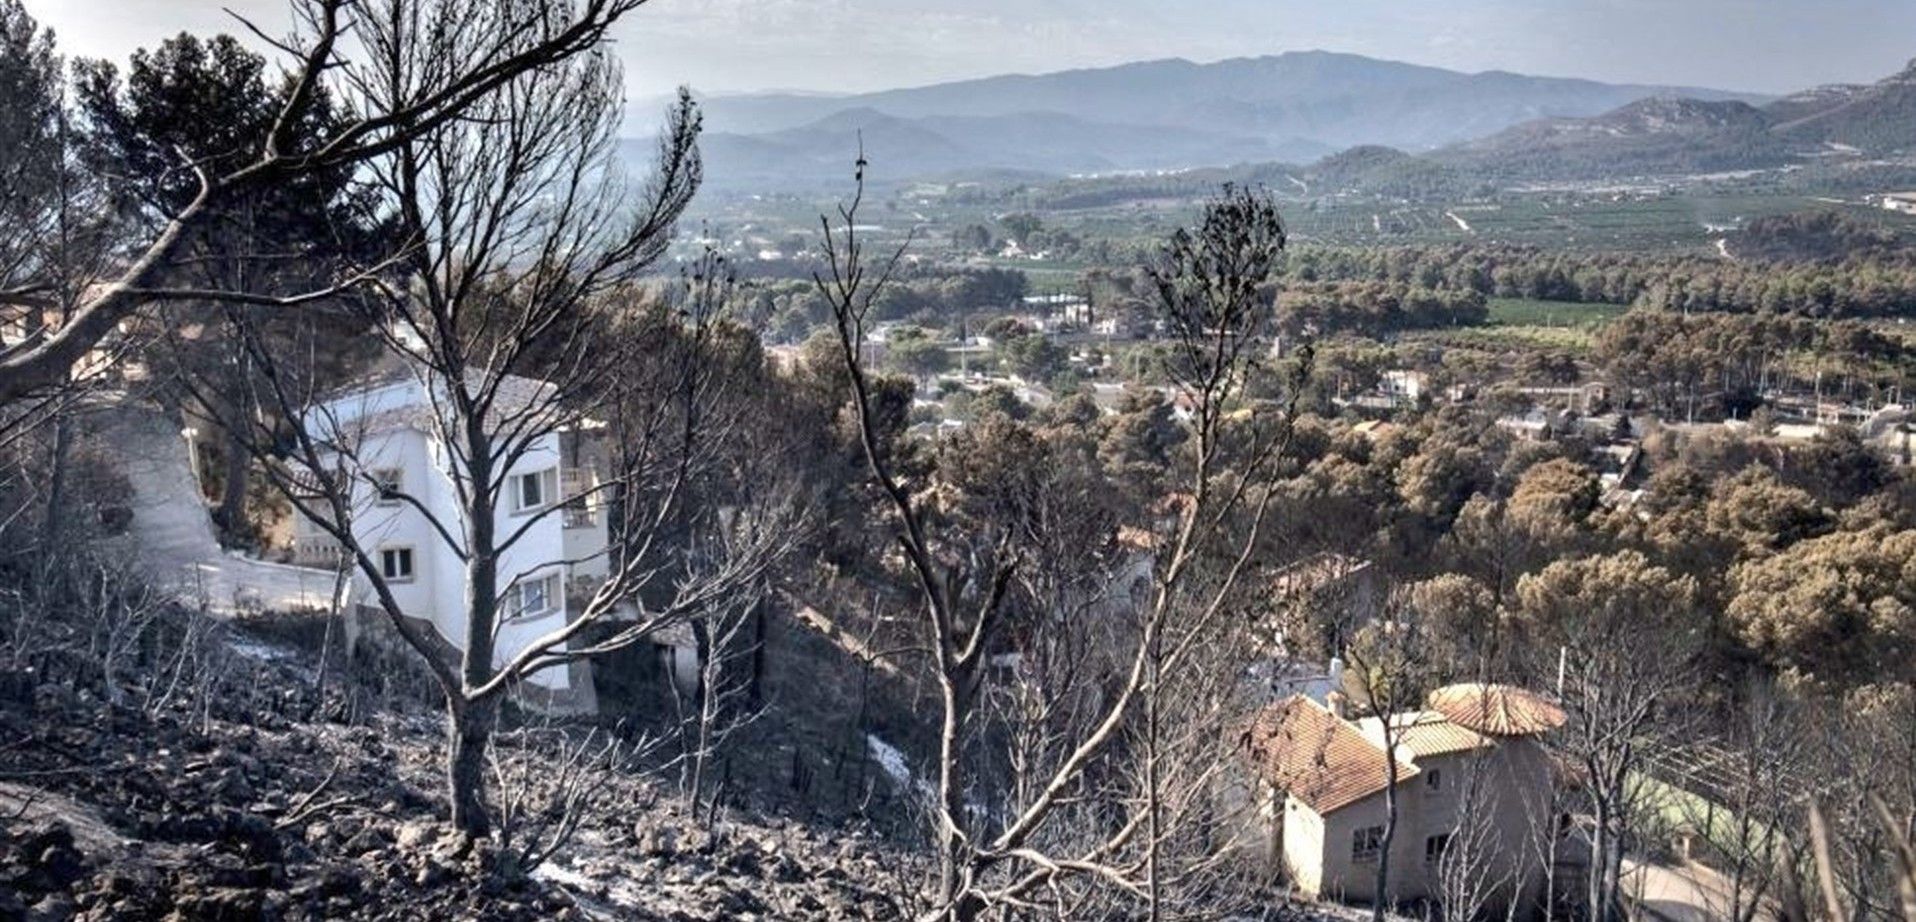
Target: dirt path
(171, 535)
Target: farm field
(1526, 312)
(1524, 324)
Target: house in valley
(1904, 202)
(406, 513)
(1472, 780)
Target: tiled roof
(1319, 758)
(1497, 710)
(1428, 733)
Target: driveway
(1687, 892)
(171, 533)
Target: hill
(1875, 117)
(1688, 134)
(1044, 142)
(1649, 136)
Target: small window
(1435, 846)
(537, 596)
(1434, 779)
(533, 491)
(1367, 843)
(395, 564)
(387, 482)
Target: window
(536, 596)
(395, 564)
(387, 482)
(1434, 780)
(533, 491)
(1367, 843)
(1435, 846)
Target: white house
(1404, 385)
(1904, 202)
(406, 513)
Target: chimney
(1334, 700)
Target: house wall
(437, 592)
(541, 552)
(378, 526)
(1513, 795)
(1307, 861)
(1347, 877)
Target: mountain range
(1153, 115)
(1358, 122)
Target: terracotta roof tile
(1319, 758)
(1429, 733)
(1497, 710)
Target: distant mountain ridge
(1150, 115)
(1680, 134)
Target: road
(1679, 893)
(171, 534)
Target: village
(446, 472)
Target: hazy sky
(843, 45)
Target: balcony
(580, 497)
(317, 550)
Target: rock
(745, 862)
(225, 904)
(432, 874)
(61, 865)
(254, 835)
(341, 880)
(55, 907)
(53, 835)
(451, 847)
(412, 835)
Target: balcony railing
(579, 497)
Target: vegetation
(1659, 488)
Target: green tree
(912, 351)
(31, 149)
(1032, 356)
(1022, 226)
(210, 100)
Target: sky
(728, 46)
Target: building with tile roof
(1469, 772)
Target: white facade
(1904, 202)
(1404, 384)
(558, 555)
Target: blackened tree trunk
(1380, 901)
(471, 729)
(234, 478)
(475, 718)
